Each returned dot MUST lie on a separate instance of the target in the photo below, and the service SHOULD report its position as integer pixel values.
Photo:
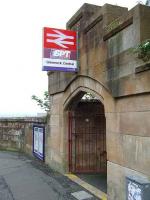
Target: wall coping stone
(142, 68)
(24, 119)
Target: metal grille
(87, 140)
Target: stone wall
(111, 72)
(128, 142)
(16, 133)
(104, 50)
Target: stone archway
(57, 155)
(86, 136)
(72, 97)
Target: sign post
(59, 50)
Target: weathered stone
(16, 133)
(117, 180)
(135, 123)
(136, 153)
(138, 103)
(107, 69)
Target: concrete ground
(24, 178)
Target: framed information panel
(39, 141)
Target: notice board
(39, 141)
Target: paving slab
(82, 195)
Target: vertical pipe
(71, 134)
(82, 135)
(75, 140)
(85, 149)
(88, 128)
(78, 144)
(69, 141)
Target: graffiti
(134, 191)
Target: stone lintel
(142, 68)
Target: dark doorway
(87, 138)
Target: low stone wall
(16, 133)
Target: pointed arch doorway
(87, 135)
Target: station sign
(39, 141)
(59, 50)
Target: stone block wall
(128, 142)
(109, 70)
(55, 140)
(105, 40)
(16, 133)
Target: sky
(21, 23)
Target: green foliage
(147, 3)
(143, 50)
(43, 103)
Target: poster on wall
(59, 50)
(134, 191)
(39, 141)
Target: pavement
(25, 178)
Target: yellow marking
(71, 176)
(98, 193)
(104, 198)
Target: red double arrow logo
(59, 39)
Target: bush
(143, 50)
